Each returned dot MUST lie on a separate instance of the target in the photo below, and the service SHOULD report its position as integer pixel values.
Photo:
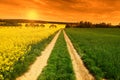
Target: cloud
(80, 6)
(65, 10)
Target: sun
(32, 15)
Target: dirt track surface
(80, 70)
(41, 61)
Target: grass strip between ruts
(59, 63)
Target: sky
(95, 11)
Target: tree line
(10, 23)
(81, 24)
(86, 24)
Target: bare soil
(80, 70)
(41, 61)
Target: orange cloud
(63, 10)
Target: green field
(59, 65)
(99, 49)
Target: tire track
(80, 70)
(41, 61)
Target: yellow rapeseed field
(14, 43)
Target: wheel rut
(36, 68)
(80, 70)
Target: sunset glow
(62, 10)
(32, 15)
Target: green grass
(22, 66)
(59, 65)
(100, 50)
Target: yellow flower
(14, 43)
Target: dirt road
(35, 70)
(80, 70)
(40, 63)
